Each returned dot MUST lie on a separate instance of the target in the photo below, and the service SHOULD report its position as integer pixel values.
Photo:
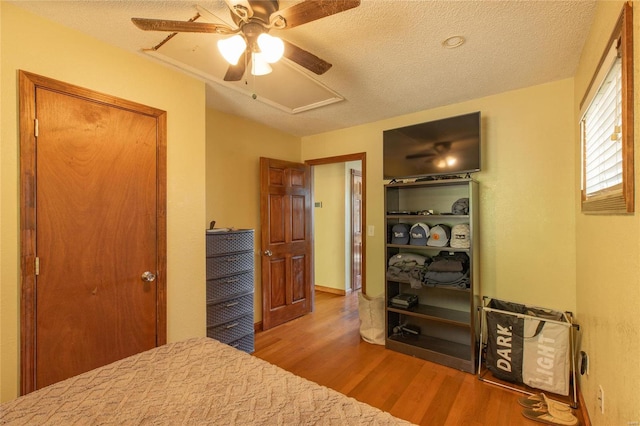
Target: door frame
(362, 157)
(353, 174)
(28, 83)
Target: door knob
(268, 253)
(148, 276)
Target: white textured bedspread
(196, 382)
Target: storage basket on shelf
(528, 345)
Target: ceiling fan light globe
(272, 48)
(232, 48)
(259, 66)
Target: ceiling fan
(250, 44)
(439, 154)
(439, 148)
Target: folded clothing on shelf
(447, 270)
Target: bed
(194, 382)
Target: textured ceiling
(387, 55)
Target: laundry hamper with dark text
(528, 345)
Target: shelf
(444, 287)
(436, 313)
(447, 248)
(435, 182)
(441, 351)
(428, 217)
(446, 347)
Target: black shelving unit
(446, 316)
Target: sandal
(537, 400)
(548, 413)
(543, 416)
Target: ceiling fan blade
(305, 59)
(310, 10)
(181, 26)
(235, 72)
(419, 155)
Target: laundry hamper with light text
(527, 345)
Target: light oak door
(97, 292)
(286, 241)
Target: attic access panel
(286, 88)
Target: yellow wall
(329, 225)
(234, 148)
(608, 262)
(42, 47)
(536, 246)
(527, 238)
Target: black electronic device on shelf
(404, 301)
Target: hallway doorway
(339, 218)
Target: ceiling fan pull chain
(254, 95)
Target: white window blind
(601, 130)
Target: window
(606, 127)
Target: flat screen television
(449, 146)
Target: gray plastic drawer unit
(230, 277)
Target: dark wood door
(285, 209)
(356, 230)
(97, 201)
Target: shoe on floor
(549, 414)
(538, 400)
(543, 416)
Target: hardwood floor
(325, 347)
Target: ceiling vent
(287, 88)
